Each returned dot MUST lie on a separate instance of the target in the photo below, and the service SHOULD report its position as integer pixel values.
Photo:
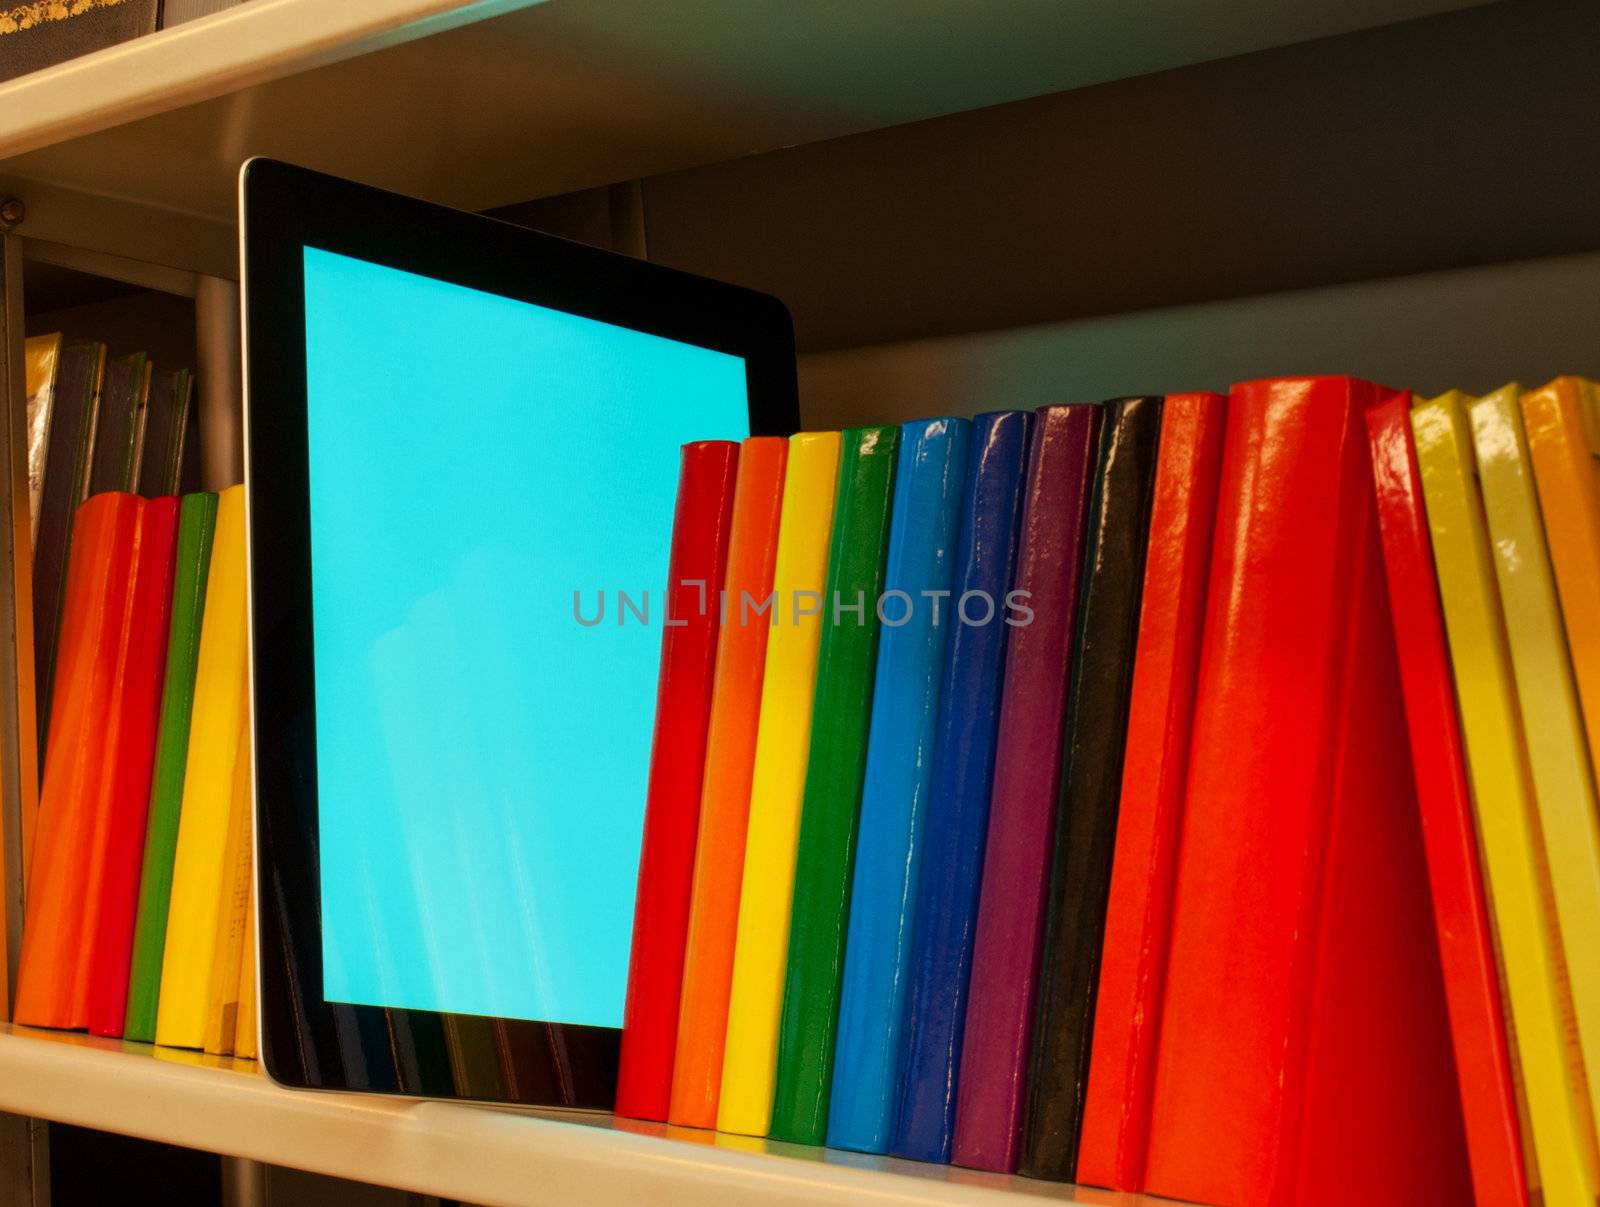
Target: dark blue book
(946, 901)
(917, 613)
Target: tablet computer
(455, 428)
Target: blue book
(916, 616)
(957, 815)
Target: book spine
(725, 795)
(1042, 609)
(233, 901)
(41, 355)
(835, 765)
(697, 564)
(1563, 426)
(1133, 960)
(916, 623)
(199, 866)
(1558, 753)
(104, 791)
(945, 912)
(65, 480)
(93, 610)
(1466, 947)
(1231, 1039)
(130, 748)
(111, 464)
(755, 995)
(197, 521)
(1560, 1128)
(1297, 768)
(1091, 781)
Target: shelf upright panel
(19, 772)
(24, 1163)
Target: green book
(846, 662)
(197, 522)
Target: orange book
(128, 744)
(1562, 421)
(725, 795)
(98, 592)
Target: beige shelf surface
(492, 1156)
(489, 103)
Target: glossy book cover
(1460, 905)
(755, 995)
(1091, 778)
(920, 612)
(725, 794)
(1133, 961)
(1027, 777)
(197, 520)
(835, 766)
(699, 557)
(946, 908)
(1304, 966)
(1560, 1131)
(94, 612)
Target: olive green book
(197, 523)
(846, 666)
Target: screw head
(12, 212)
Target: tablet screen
(483, 473)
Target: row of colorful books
(139, 883)
(1191, 794)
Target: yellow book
(1563, 427)
(244, 1038)
(1561, 1136)
(200, 866)
(1558, 754)
(233, 908)
(41, 354)
(761, 948)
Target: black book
(1091, 785)
(162, 439)
(66, 484)
(117, 430)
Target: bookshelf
(473, 1154)
(965, 205)
(489, 103)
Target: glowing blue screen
(481, 756)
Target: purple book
(1027, 776)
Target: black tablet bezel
(306, 1041)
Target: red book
(701, 527)
(130, 747)
(1027, 779)
(1460, 910)
(93, 614)
(1133, 961)
(1304, 1042)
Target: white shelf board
(485, 104)
(486, 1155)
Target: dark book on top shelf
(47, 32)
(166, 422)
(66, 484)
(115, 439)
